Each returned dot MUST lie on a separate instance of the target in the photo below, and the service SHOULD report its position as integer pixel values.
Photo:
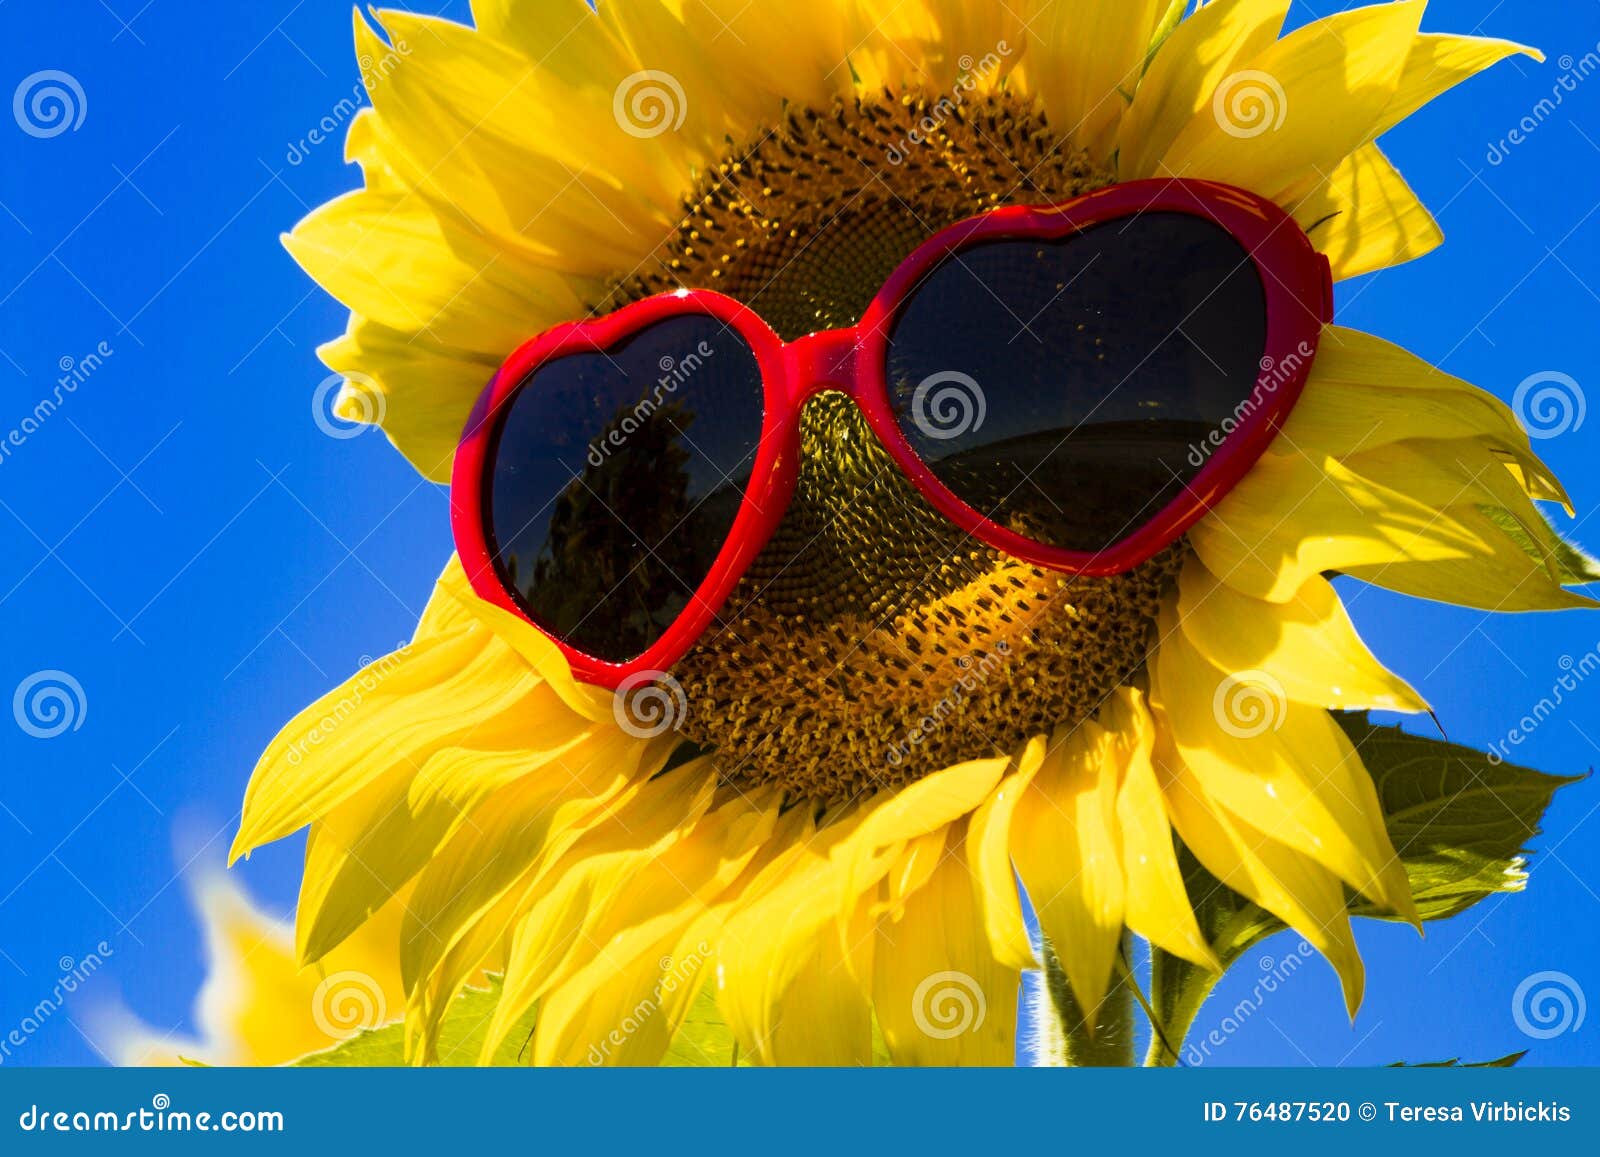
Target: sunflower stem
(1177, 990)
(1071, 1038)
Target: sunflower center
(872, 642)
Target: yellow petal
(1279, 766)
(989, 852)
(1307, 644)
(371, 845)
(446, 611)
(1068, 849)
(911, 871)
(256, 1001)
(368, 847)
(1156, 904)
(1302, 104)
(832, 883)
(533, 824)
(648, 953)
(951, 47)
(565, 37)
(479, 948)
(1276, 876)
(719, 68)
(824, 1016)
(1439, 62)
(1204, 49)
(1294, 518)
(418, 392)
(1365, 393)
(398, 710)
(1362, 215)
(1468, 480)
(391, 259)
(783, 49)
(940, 996)
(1448, 472)
(1086, 61)
(257, 1005)
(585, 699)
(895, 817)
(783, 933)
(466, 111)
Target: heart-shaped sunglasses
(1072, 384)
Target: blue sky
(183, 540)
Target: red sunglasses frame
(1295, 278)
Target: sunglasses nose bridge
(821, 361)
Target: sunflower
(805, 847)
(258, 1005)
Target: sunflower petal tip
(1412, 915)
(1355, 992)
(241, 848)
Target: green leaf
(460, 1038)
(706, 1041)
(1460, 821)
(1504, 1062)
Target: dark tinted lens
(616, 477)
(1066, 389)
